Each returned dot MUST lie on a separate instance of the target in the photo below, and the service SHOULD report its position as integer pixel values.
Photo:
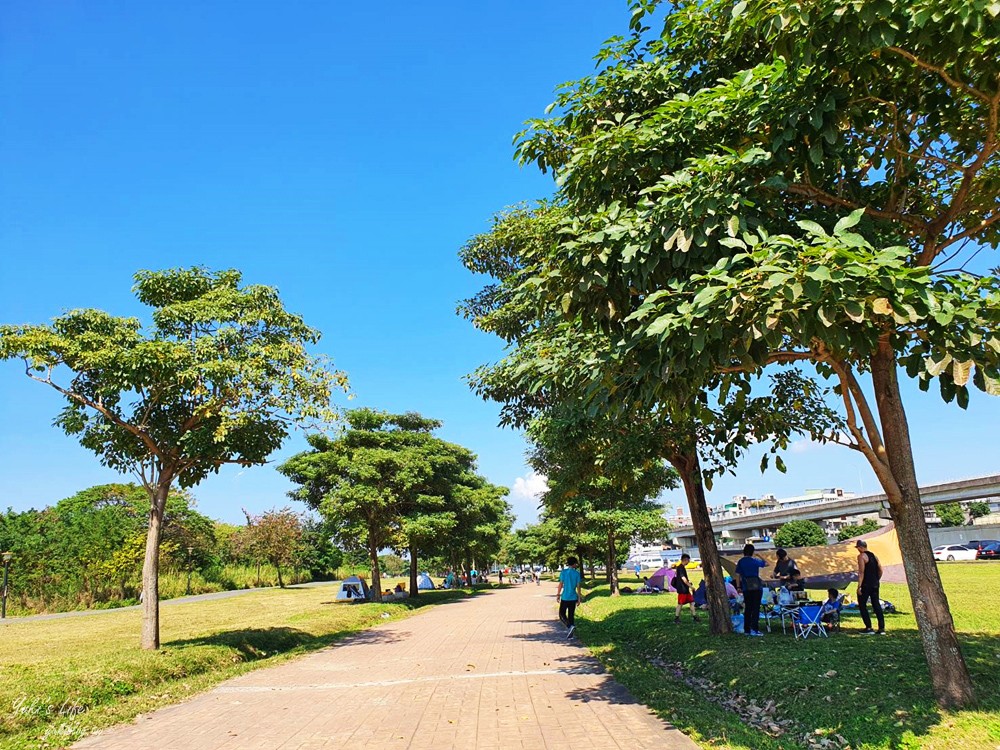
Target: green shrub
(800, 534)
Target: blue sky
(342, 153)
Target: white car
(954, 552)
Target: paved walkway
(494, 672)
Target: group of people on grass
(749, 586)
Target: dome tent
(353, 590)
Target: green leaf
(812, 227)
(962, 397)
(848, 221)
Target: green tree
(392, 565)
(319, 555)
(555, 361)
(800, 534)
(978, 509)
(601, 475)
(525, 546)
(951, 514)
(431, 515)
(737, 192)
(482, 520)
(375, 484)
(865, 527)
(218, 377)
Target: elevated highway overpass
(740, 527)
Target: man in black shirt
(869, 576)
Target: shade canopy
(834, 565)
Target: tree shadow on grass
(819, 682)
(254, 644)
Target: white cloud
(529, 487)
(525, 495)
(802, 446)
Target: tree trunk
(689, 468)
(281, 583)
(593, 572)
(949, 674)
(413, 570)
(258, 574)
(468, 568)
(150, 638)
(376, 587)
(612, 563)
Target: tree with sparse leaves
(219, 376)
(275, 536)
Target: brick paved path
(494, 672)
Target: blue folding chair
(806, 621)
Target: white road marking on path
(384, 683)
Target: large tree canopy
(217, 377)
(736, 191)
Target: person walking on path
(869, 577)
(685, 593)
(748, 570)
(569, 594)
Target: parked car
(954, 552)
(989, 552)
(978, 544)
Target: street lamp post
(7, 557)
(190, 550)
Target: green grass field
(771, 693)
(61, 679)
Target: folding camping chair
(806, 620)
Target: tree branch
(821, 196)
(780, 357)
(945, 76)
(968, 233)
(102, 410)
(936, 227)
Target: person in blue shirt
(569, 594)
(748, 570)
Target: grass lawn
(61, 679)
(849, 690)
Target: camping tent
(661, 579)
(352, 590)
(835, 565)
(424, 582)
